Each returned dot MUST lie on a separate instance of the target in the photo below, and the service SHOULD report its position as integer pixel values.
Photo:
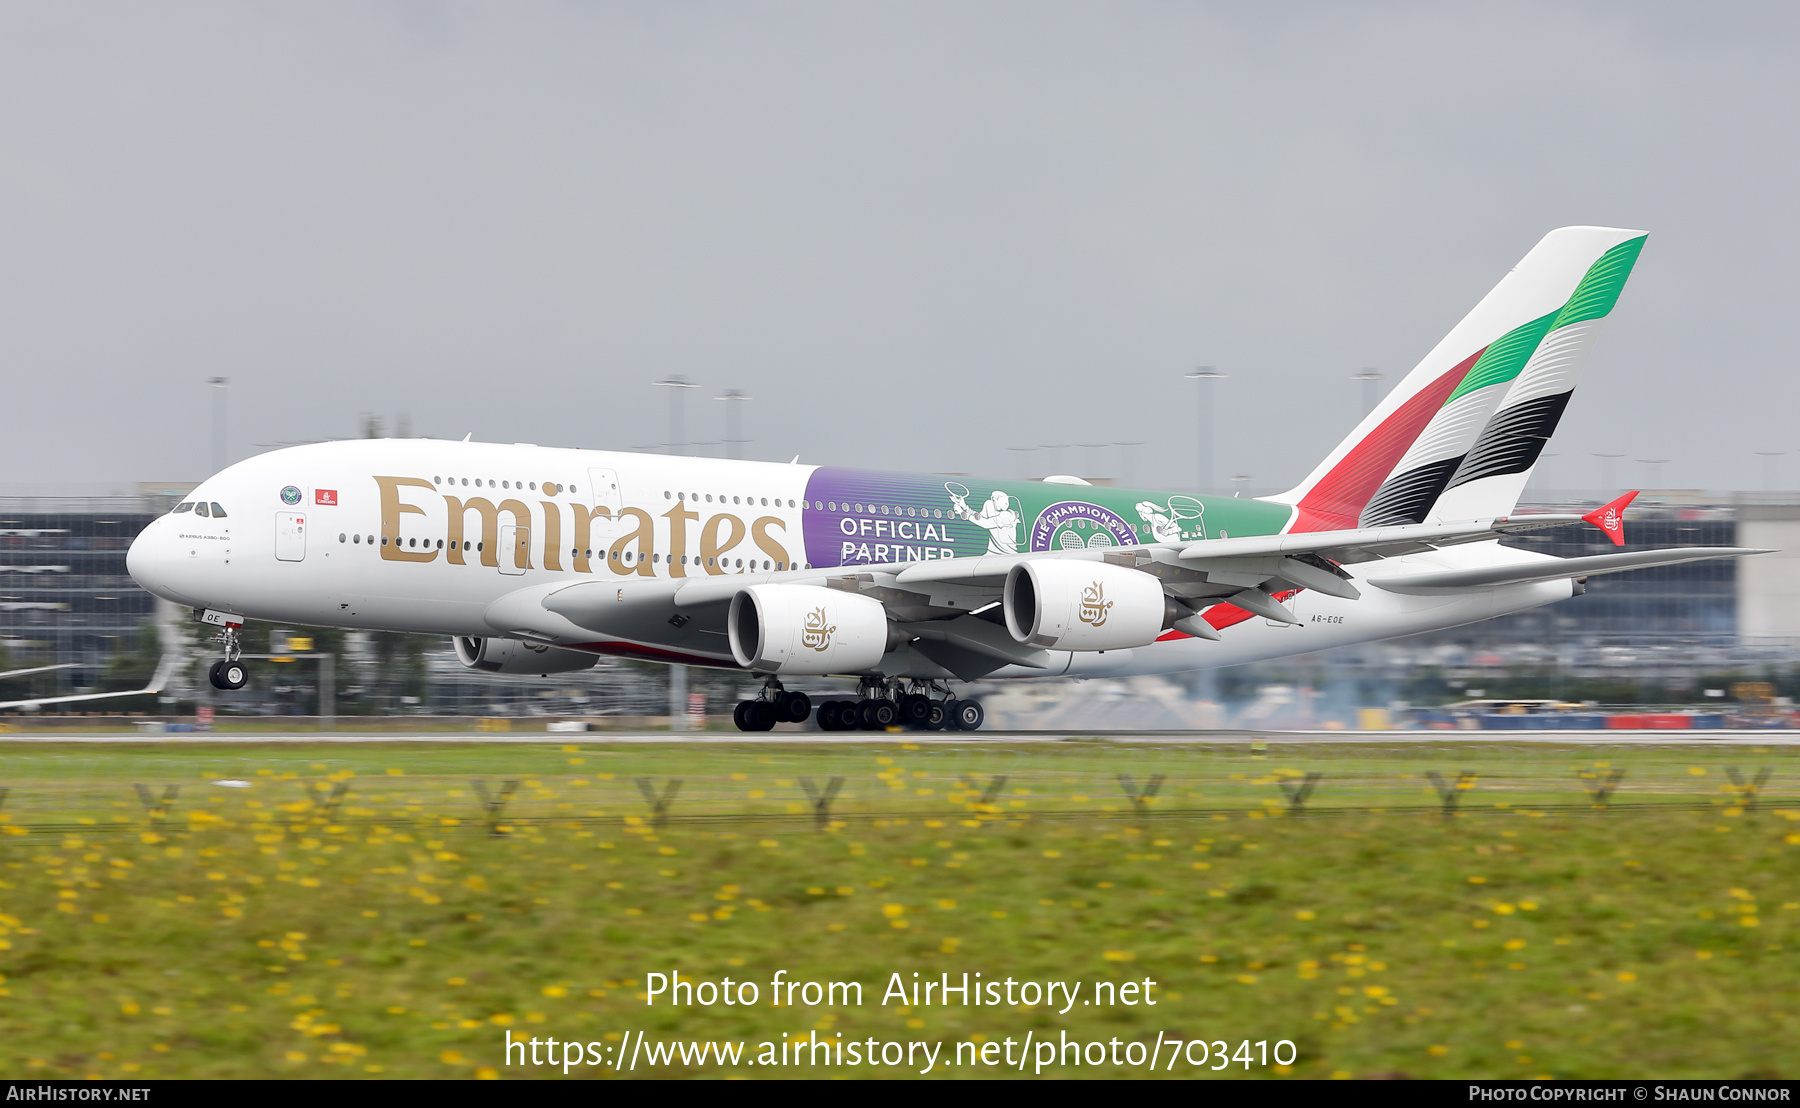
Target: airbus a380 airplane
(538, 560)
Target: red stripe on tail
(1337, 501)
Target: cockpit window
(218, 512)
(200, 508)
(180, 508)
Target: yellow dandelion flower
(1119, 956)
(1305, 914)
(1627, 975)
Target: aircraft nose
(151, 560)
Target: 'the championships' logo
(815, 632)
(290, 495)
(1094, 606)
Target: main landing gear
(774, 705)
(884, 705)
(229, 673)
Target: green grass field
(402, 928)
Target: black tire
(937, 717)
(212, 675)
(968, 715)
(235, 675)
(879, 715)
(914, 710)
(828, 716)
(794, 707)
(737, 715)
(760, 715)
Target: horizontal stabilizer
(1525, 573)
(1611, 518)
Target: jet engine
(806, 629)
(513, 656)
(1058, 604)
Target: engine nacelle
(806, 629)
(513, 656)
(1057, 604)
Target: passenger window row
(551, 488)
(746, 501)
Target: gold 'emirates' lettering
(678, 517)
(645, 538)
(490, 529)
(720, 534)
(760, 532)
(584, 535)
(712, 551)
(392, 508)
(552, 534)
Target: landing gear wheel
(737, 715)
(967, 714)
(231, 675)
(936, 718)
(915, 710)
(759, 714)
(213, 675)
(877, 715)
(793, 707)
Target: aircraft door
(290, 536)
(603, 485)
(515, 549)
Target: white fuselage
(427, 536)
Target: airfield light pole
(1371, 383)
(678, 674)
(1206, 375)
(1128, 462)
(1606, 474)
(1055, 456)
(676, 384)
(1652, 471)
(1769, 463)
(1023, 455)
(219, 385)
(1090, 447)
(734, 442)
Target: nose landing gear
(774, 705)
(229, 673)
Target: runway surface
(928, 738)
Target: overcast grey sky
(917, 234)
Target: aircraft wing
(938, 602)
(1457, 579)
(164, 670)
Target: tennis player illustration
(998, 517)
(1181, 518)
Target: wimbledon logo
(290, 495)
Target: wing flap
(1454, 580)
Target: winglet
(1611, 518)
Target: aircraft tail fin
(1458, 437)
